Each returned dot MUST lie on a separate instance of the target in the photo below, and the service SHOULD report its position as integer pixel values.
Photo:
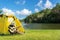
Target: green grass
(34, 35)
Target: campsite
(29, 19)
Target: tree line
(45, 16)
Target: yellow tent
(6, 21)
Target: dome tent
(6, 22)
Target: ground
(34, 35)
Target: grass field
(34, 35)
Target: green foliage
(45, 16)
(0, 11)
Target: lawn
(34, 35)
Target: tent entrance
(12, 29)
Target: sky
(23, 8)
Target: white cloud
(48, 4)
(39, 4)
(20, 14)
(20, 2)
(24, 12)
(36, 10)
(7, 11)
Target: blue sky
(23, 8)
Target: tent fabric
(4, 24)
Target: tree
(45, 16)
(0, 11)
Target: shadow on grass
(9, 34)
